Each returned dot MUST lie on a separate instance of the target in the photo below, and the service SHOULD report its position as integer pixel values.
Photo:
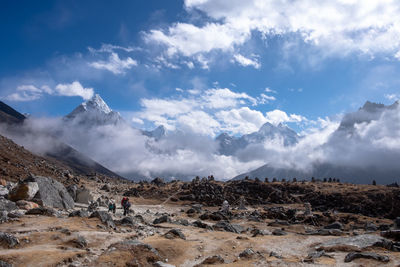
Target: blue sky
(201, 63)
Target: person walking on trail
(225, 207)
(125, 205)
(111, 206)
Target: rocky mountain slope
(10, 115)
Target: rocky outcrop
(47, 192)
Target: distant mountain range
(229, 145)
(95, 112)
(346, 131)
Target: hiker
(124, 199)
(111, 205)
(225, 207)
(125, 205)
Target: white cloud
(263, 99)
(278, 116)
(109, 48)
(244, 61)
(211, 111)
(137, 120)
(225, 98)
(392, 96)
(243, 120)
(74, 89)
(336, 27)
(114, 64)
(31, 92)
(269, 90)
(188, 39)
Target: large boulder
(83, 195)
(7, 205)
(25, 190)
(51, 193)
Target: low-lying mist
(184, 154)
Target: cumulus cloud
(74, 89)
(114, 64)
(334, 27)
(31, 92)
(243, 120)
(207, 111)
(244, 61)
(278, 116)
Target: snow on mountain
(94, 112)
(157, 133)
(370, 111)
(346, 154)
(230, 144)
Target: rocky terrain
(52, 216)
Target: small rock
(216, 259)
(3, 216)
(162, 219)
(80, 242)
(279, 232)
(367, 255)
(200, 224)
(5, 264)
(105, 218)
(173, 233)
(370, 227)
(46, 211)
(3, 191)
(315, 255)
(335, 225)
(79, 213)
(247, 253)
(276, 255)
(397, 223)
(106, 188)
(162, 264)
(392, 234)
(26, 205)
(8, 240)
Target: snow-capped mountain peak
(95, 111)
(157, 133)
(228, 145)
(97, 103)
